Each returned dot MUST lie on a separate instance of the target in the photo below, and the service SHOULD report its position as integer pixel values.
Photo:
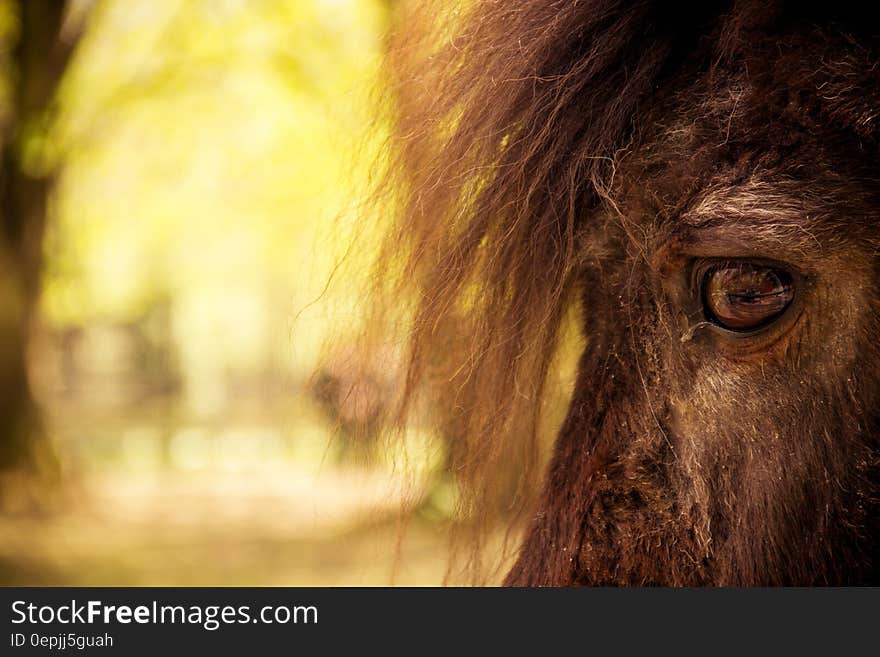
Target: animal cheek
(685, 418)
(715, 401)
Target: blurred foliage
(210, 155)
(8, 33)
(207, 148)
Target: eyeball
(746, 296)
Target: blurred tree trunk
(35, 64)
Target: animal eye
(745, 296)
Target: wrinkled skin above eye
(746, 296)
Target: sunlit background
(201, 159)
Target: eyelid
(698, 267)
(731, 241)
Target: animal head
(704, 189)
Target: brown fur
(595, 153)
